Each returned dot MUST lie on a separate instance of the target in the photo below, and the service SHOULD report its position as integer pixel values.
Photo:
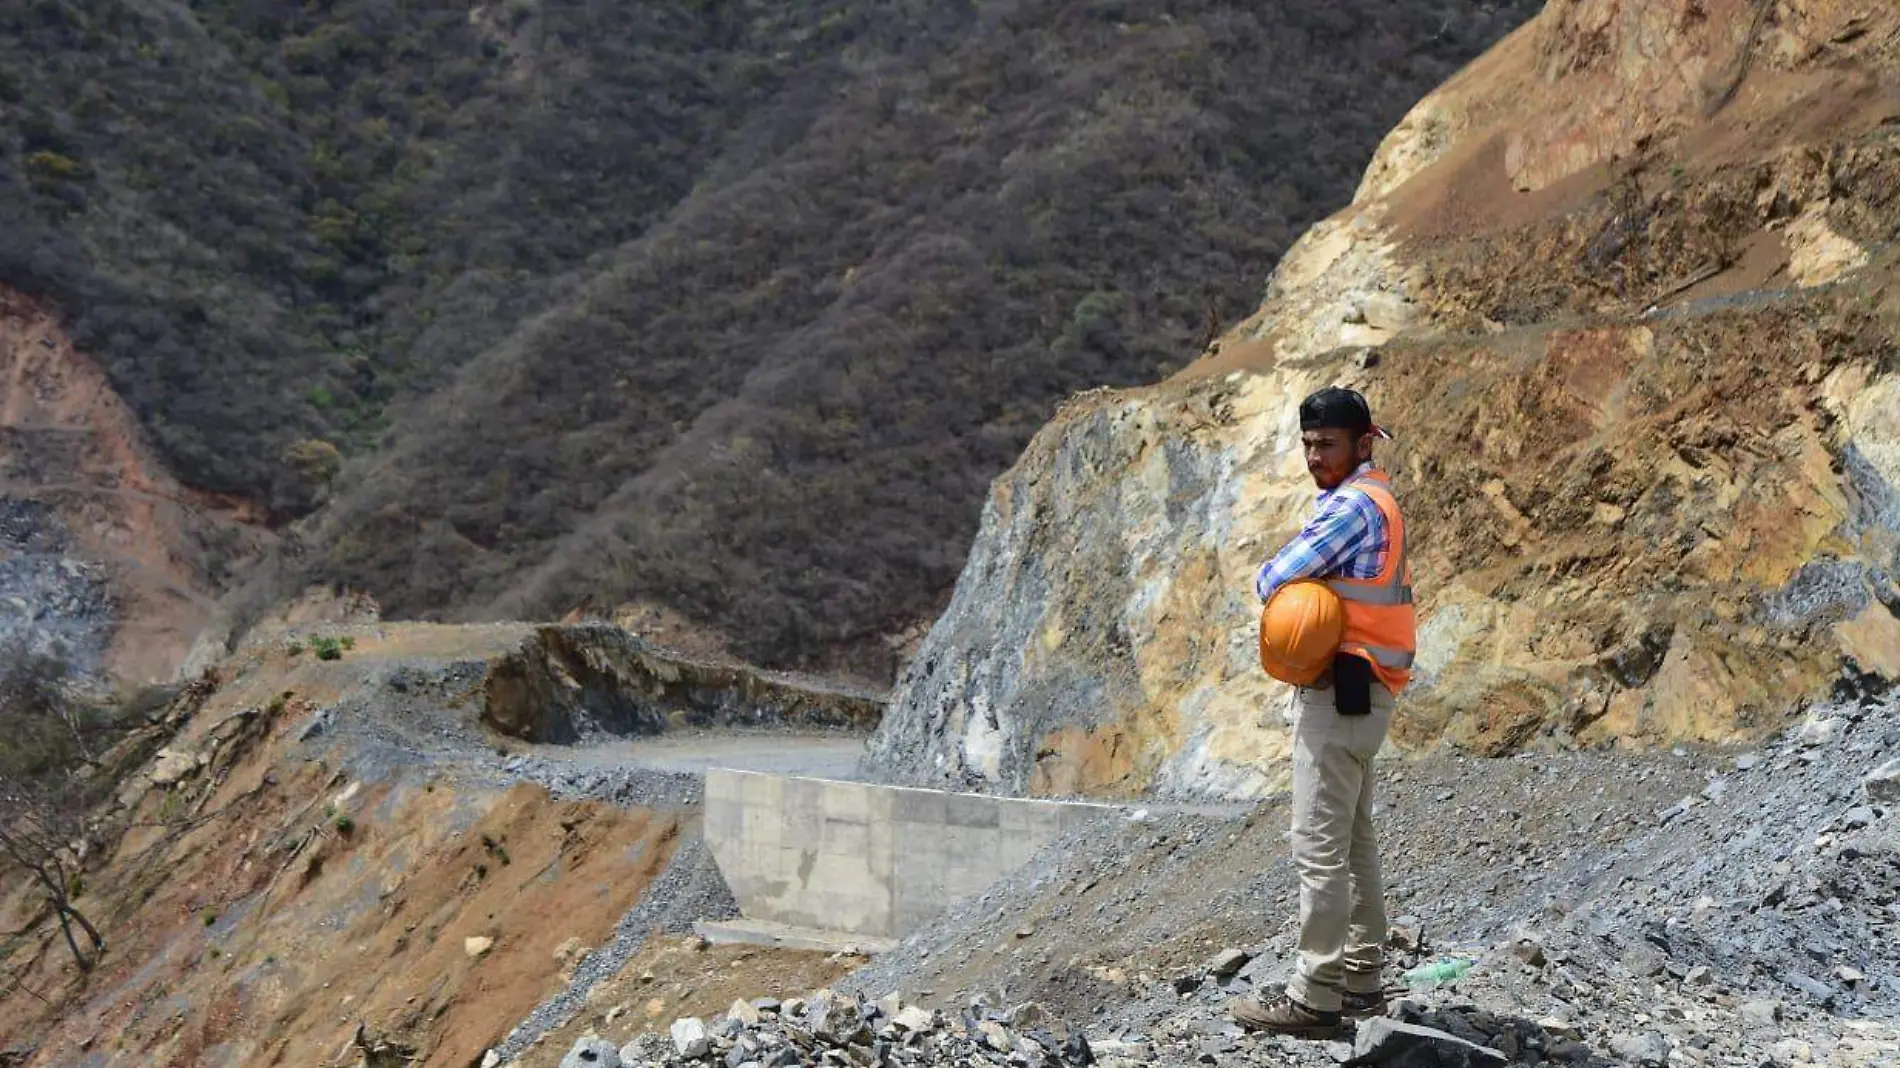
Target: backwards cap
(1334, 408)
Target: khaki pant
(1342, 900)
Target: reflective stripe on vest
(1384, 657)
(1400, 594)
(1380, 623)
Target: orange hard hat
(1300, 629)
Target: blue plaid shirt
(1345, 539)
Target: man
(1356, 544)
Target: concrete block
(866, 859)
(850, 839)
(765, 933)
(794, 865)
(760, 825)
(801, 820)
(1017, 819)
(972, 846)
(766, 791)
(847, 802)
(973, 810)
(881, 844)
(925, 807)
(1016, 852)
(805, 797)
(724, 820)
(722, 785)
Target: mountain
(1624, 289)
(727, 311)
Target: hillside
(1624, 288)
(103, 555)
(728, 310)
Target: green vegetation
(732, 307)
(496, 849)
(328, 648)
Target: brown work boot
(1283, 1016)
(1358, 1006)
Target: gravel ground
(1705, 908)
(416, 717)
(1677, 908)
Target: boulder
(690, 1039)
(915, 1018)
(592, 1052)
(1761, 1013)
(1387, 1043)
(173, 766)
(836, 1020)
(1883, 783)
(1650, 1048)
(744, 1013)
(1227, 963)
(997, 1036)
(1027, 1015)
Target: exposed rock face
(76, 470)
(568, 680)
(1621, 288)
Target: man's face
(1333, 454)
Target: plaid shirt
(1345, 539)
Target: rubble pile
(831, 1028)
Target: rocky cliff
(1623, 289)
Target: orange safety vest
(1381, 625)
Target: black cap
(1336, 408)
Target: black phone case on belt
(1352, 685)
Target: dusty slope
(70, 445)
(310, 840)
(1622, 286)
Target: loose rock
(1648, 1048)
(591, 1052)
(690, 1039)
(1387, 1043)
(1883, 783)
(1227, 963)
(744, 1014)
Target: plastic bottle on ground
(1443, 971)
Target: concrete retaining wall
(866, 859)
